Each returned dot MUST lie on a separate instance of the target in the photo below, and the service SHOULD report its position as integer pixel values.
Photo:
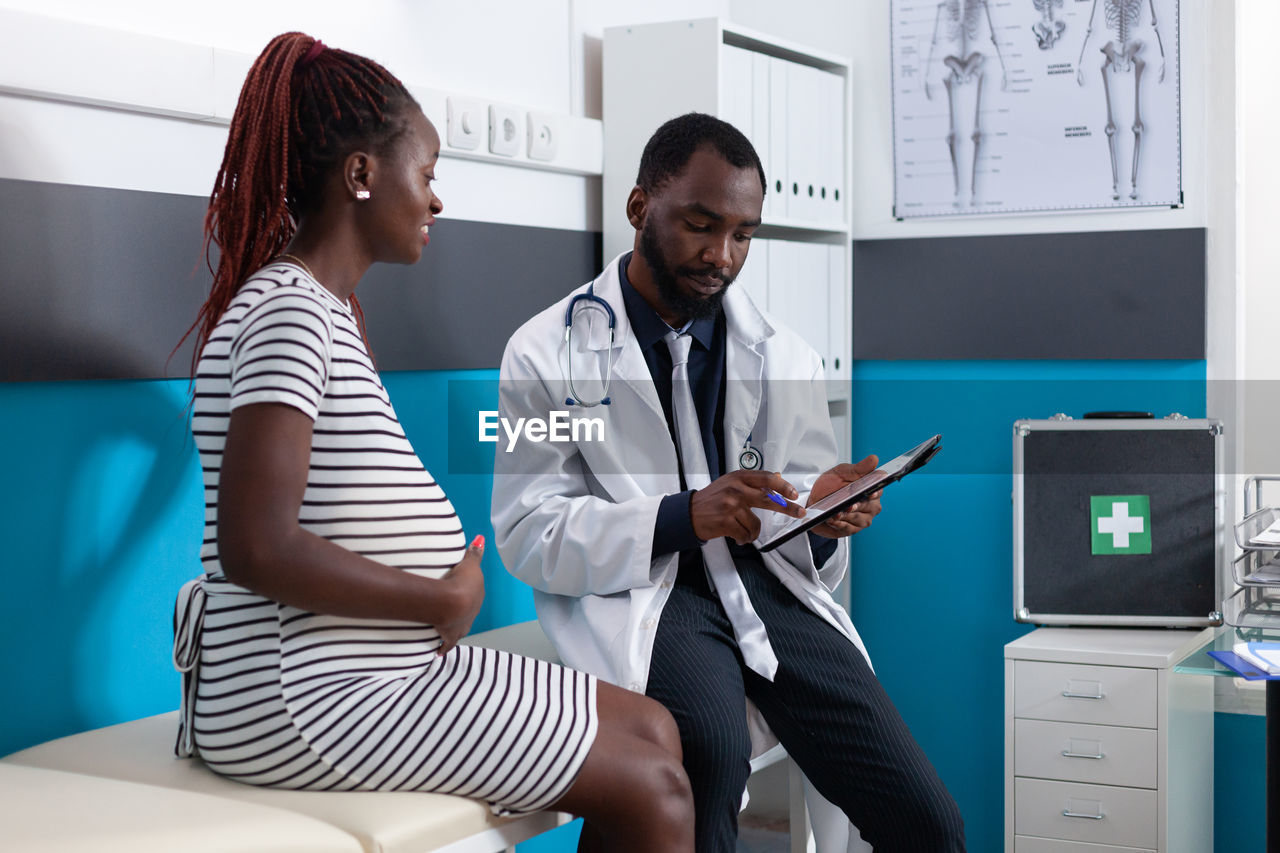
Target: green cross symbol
(1120, 524)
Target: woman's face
(402, 205)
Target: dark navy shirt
(673, 530)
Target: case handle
(1114, 415)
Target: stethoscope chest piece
(750, 459)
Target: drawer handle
(1066, 754)
(1070, 695)
(1069, 813)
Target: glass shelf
(1199, 662)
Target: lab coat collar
(608, 287)
(746, 323)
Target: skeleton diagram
(959, 22)
(1047, 30)
(1123, 54)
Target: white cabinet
(793, 104)
(1107, 750)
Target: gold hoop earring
(363, 195)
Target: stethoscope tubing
(749, 458)
(593, 301)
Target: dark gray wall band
(1096, 295)
(100, 283)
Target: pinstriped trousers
(825, 706)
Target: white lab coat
(575, 520)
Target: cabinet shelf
(790, 229)
(793, 104)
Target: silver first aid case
(1070, 476)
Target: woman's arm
(262, 547)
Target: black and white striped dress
(291, 699)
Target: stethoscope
(596, 302)
(749, 459)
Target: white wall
(544, 54)
(1257, 345)
(538, 54)
(515, 50)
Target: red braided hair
(302, 109)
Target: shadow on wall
(101, 520)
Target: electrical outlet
(544, 136)
(504, 130)
(466, 123)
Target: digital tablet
(850, 493)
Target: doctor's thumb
(867, 465)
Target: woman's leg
(632, 790)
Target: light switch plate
(466, 120)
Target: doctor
(638, 542)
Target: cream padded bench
(140, 753)
(51, 811)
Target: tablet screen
(850, 493)
(820, 510)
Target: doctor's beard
(677, 300)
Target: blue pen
(778, 499)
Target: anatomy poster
(1001, 106)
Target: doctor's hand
(724, 507)
(856, 517)
(464, 585)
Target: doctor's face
(697, 229)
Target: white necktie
(753, 640)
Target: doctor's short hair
(671, 146)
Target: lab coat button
(648, 624)
(634, 687)
(666, 584)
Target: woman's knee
(647, 719)
(660, 728)
(670, 791)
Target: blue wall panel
(101, 515)
(100, 518)
(931, 582)
(1240, 779)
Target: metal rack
(1255, 603)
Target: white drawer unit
(1107, 750)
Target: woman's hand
(465, 585)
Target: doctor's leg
(696, 672)
(836, 721)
